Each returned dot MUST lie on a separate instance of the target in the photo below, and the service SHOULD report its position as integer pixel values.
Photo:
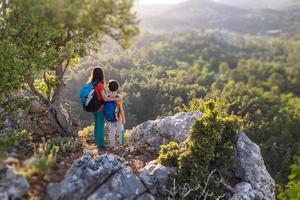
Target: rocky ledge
(257, 182)
(107, 177)
(150, 135)
(12, 185)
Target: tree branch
(207, 182)
(35, 92)
(38, 100)
(67, 65)
(59, 72)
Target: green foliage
(65, 145)
(209, 147)
(45, 157)
(169, 154)
(15, 137)
(47, 85)
(270, 119)
(51, 34)
(43, 160)
(258, 80)
(11, 106)
(10, 139)
(292, 189)
(41, 39)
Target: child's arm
(122, 112)
(105, 98)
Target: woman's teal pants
(99, 128)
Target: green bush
(292, 189)
(45, 157)
(168, 154)
(210, 147)
(43, 160)
(10, 139)
(64, 145)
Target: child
(116, 126)
(97, 77)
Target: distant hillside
(149, 10)
(262, 4)
(206, 14)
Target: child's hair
(97, 75)
(113, 85)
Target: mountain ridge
(207, 14)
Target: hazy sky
(158, 1)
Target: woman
(97, 77)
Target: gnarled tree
(41, 39)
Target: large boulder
(244, 191)
(122, 185)
(84, 177)
(252, 170)
(37, 121)
(150, 135)
(103, 177)
(156, 176)
(13, 186)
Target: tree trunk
(61, 120)
(58, 115)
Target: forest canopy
(260, 80)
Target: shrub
(127, 135)
(45, 157)
(87, 132)
(64, 145)
(292, 189)
(43, 160)
(210, 147)
(10, 139)
(86, 135)
(168, 154)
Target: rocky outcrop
(10, 121)
(107, 177)
(84, 177)
(37, 121)
(150, 135)
(156, 177)
(122, 185)
(13, 186)
(257, 182)
(244, 191)
(103, 177)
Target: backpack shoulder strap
(94, 83)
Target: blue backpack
(111, 111)
(89, 99)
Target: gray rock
(244, 191)
(150, 135)
(103, 177)
(13, 186)
(146, 196)
(85, 176)
(37, 121)
(122, 185)
(156, 176)
(251, 169)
